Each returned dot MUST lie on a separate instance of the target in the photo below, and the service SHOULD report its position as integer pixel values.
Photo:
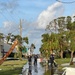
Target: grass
(12, 67)
(59, 62)
(62, 61)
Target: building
(4, 48)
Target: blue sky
(35, 15)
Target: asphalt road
(35, 70)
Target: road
(35, 70)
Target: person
(35, 60)
(35, 63)
(30, 64)
(30, 70)
(52, 60)
(30, 60)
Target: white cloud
(52, 12)
(7, 24)
(12, 27)
(9, 27)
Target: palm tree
(32, 47)
(8, 38)
(20, 47)
(50, 43)
(26, 39)
(61, 24)
(72, 44)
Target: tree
(72, 44)
(20, 47)
(1, 36)
(8, 37)
(54, 41)
(69, 23)
(50, 43)
(32, 47)
(26, 39)
(62, 42)
(19, 38)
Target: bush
(68, 55)
(11, 55)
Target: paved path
(65, 64)
(39, 71)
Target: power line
(66, 2)
(11, 15)
(11, 18)
(4, 16)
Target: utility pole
(20, 27)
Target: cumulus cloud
(7, 24)
(49, 14)
(12, 27)
(9, 27)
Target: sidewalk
(40, 70)
(65, 64)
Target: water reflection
(30, 70)
(35, 69)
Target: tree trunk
(71, 61)
(61, 53)
(51, 51)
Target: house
(4, 48)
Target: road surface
(35, 70)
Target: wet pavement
(35, 70)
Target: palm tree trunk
(71, 61)
(50, 48)
(51, 51)
(61, 53)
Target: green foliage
(1, 36)
(24, 49)
(68, 55)
(59, 41)
(33, 46)
(45, 37)
(19, 38)
(50, 42)
(26, 39)
(8, 38)
(20, 48)
(47, 72)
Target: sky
(35, 15)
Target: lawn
(62, 61)
(59, 62)
(12, 67)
